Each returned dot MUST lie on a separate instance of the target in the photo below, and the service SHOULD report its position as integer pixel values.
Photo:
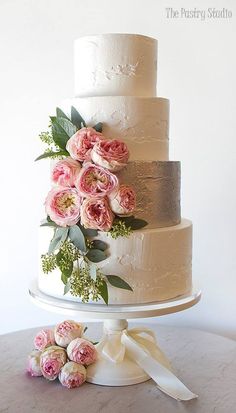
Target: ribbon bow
(140, 345)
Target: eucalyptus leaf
(98, 127)
(88, 232)
(67, 287)
(127, 220)
(77, 237)
(52, 154)
(64, 278)
(100, 245)
(137, 223)
(85, 329)
(59, 237)
(103, 291)
(93, 271)
(118, 282)
(48, 224)
(67, 126)
(77, 119)
(96, 255)
(61, 114)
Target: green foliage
(118, 282)
(77, 237)
(120, 229)
(52, 154)
(49, 263)
(46, 137)
(98, 244)
(77, 119)
(98, 127)
(60, 235)
(96, 255)
(84, 286)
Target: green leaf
(66, 272)
(52, 154)
(98, 127)
(100, 245)
(59, 135)
(85, 329)
(127, 220)
(88, 232)
(103, 291)
(117, 282)
(137, 223)
(93, 271)
(96, 255)
(77, 119)
(48, 224)
(67, 126)
(64, 278)
(67, 287)
(77, 237)
(59, 237)
(61, 114)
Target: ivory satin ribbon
(140, 345)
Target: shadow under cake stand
(106, 372)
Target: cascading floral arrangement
(86, 198)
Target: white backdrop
(196, 70)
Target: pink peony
(96, 214)
(82, 351)
(111, 154)
(95, 181)
(33, 366)
(67, 331)
(51, 361)
(43, 339)
(63, 206)
(72, 375)
(81, 143)
(65, 172)
(123, 201)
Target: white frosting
(155, 262)
(143, 123)
(115, 64)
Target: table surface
(205, 362)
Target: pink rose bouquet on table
(96, 214)
(123, 201)
(112, 154)
(63, 206)
(82, 351)
(81, 143)
(51, 361)
(67, 331)
(72, 375)
(95, 181)
(43, 339)
(33, 366)
(65, 172)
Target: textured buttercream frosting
(142, 123)
(157, 187)
(115, 64)
(155, 262)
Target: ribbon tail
(164, 378)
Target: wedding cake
(143, 258)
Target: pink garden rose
(51, 361)
(67, 331)
(95, 181)
(65, 172)
(43, 339)
(123, 201)
(63, 206)
(96, 214)
(81, 143)
(72, 375)
(33, 366)
(111, 154)
(82, 351)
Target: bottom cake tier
(157, 263)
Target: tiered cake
(115, 83)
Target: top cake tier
(115, 65)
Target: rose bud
(43, 339)
(63, 206)
(95, 181)
(51, 361)
(123, 201)
(72, 375)
(33, 366)
(96, 214)
(65, 172)
(82, 351)
(67, 331)
(81, 143)
(111, 154)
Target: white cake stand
(104, 371)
